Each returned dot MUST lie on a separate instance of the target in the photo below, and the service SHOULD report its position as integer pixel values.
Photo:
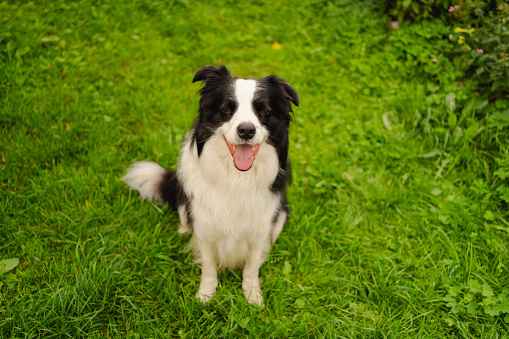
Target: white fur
(145, 177)
(230, 208)
(184, 226)
(232, 212)
(278, 226)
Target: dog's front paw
(254, 296)
(184, 229)
(204, 298)
(206, 291)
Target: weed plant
(399, 198)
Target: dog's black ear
(289, 93)
(211, 72)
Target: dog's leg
(184, 227)
(251, 283)
(208, 283)
(277, 227)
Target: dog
(230, 185)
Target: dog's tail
(154, 182)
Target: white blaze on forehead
(244, 94)
(244, 91)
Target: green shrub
(423, 51)
(409, 10)
(481, 41)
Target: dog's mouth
(243, 155)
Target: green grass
(395, 229)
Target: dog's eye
(227, 110)
(264, 112)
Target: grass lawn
(394, 230)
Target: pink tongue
(243, 157)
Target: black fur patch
(217, 98)
(275, 96)
(171, 191)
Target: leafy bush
(423, 51)
(482, 42)
(473, 53)
(408, 10)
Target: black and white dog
(230, 185)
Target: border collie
(230, 184)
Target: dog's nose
(246, 131)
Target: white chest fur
(230, 208)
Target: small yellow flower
(463, 30)
(461, 40)
(276, 45)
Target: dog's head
(246, 112)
